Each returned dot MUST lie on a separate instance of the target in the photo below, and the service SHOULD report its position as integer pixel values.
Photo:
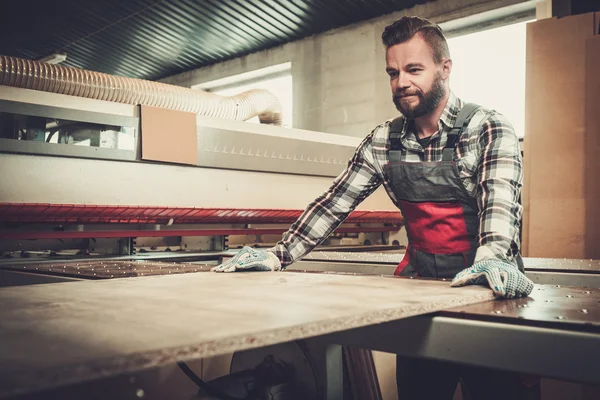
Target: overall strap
(462, 120)
(395, 132)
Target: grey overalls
(442, 224)
(441, 217)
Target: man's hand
(504, 279)
(249, 259)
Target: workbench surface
(56, 334)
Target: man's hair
(407, 27)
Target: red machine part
(170, 232)
(101, 214)
(105, 214)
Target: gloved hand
(504, 279)
(249, 259)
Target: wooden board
(592, 144)
(62, 333)
(362, 376)
(554, 191)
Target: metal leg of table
(564, 354)
(334, 372)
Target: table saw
(61, 334)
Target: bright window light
(489, 69)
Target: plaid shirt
(489, 162)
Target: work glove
(503, 278)
(249, 259)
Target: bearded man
(455, 172)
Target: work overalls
(442, 223)
(440, 216)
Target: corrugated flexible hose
(29, 74)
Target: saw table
(551, 271)
(65, 333)
(62, 333)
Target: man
(455, 172)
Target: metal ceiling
(152, 39)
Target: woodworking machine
(76, 182)
(81, 200)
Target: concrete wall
(339, 80)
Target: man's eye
(414, 70)
(393, 74)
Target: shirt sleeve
(358, 180)
(500, 179)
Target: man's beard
(427, 101)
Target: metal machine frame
(72, 194)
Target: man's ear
(446, 68)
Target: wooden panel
(557, 227)
(169, 135)
(68, 332)
(385, 365)
(592, 170)
(362, 375)
(555, 137)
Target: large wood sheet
(592, 144)
(56, 334)
(554, 192)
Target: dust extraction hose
(71, 81)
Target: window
(48, 129)
(276, 79)
(489, 69)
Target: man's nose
(403, 82)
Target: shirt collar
(451, 110)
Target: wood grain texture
(362, 375)
(63, 333)
(554, 191)
(592, 145)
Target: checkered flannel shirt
(489, 161)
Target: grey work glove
(503, 278)
(249, 259)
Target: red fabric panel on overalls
(436, 227)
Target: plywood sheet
(557, 228)
(362, 376)
(169, 135)
(555, 135)
(592, 128)
(68, 332)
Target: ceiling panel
(153, 39)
